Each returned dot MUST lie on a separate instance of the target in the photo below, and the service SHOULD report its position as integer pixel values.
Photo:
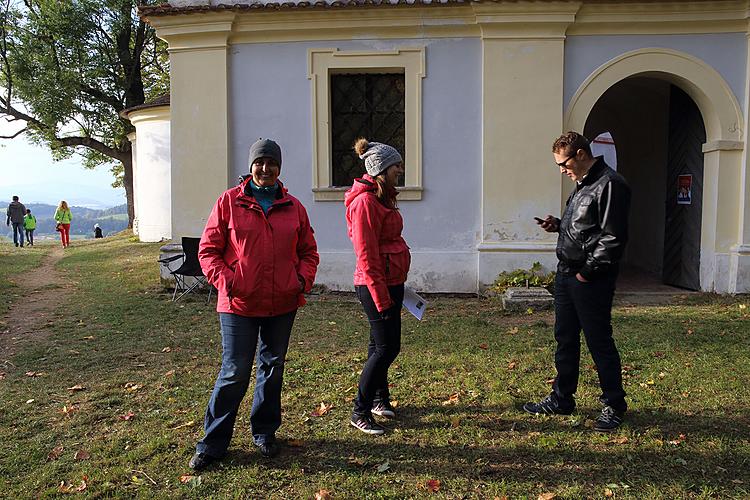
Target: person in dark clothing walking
(593, 232)
(15, 213)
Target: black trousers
(586, 306)
(384, 346)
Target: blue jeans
(239, 336)
(17, 232)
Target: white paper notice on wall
(413, 303)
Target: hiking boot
(548, 406)
(609, 420)
(383, 408)
(366, 424)
(269, 449)
(200, 461)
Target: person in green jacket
(63, 217)
(29, 224)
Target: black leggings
(384, 346)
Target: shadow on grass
(555, 455)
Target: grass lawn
(126, 375)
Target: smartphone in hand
(538, 220)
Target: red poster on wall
(684, 189)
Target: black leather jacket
(594, 227)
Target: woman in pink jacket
(258, 250)
(375, 225)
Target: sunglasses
(564, 164)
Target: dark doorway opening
(659, 133)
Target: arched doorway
(659, 134)
(659, 72)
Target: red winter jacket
(382, 254)
(254, 260)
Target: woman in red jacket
(383, 259)
(259, 251)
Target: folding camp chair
(190, 268)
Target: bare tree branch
(14, 135)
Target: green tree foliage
(69, 67)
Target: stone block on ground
(522, 298)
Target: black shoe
(269, 449)
(366, 424)
(383, 408)
(609, 420)
(200, 461)
(548, 406)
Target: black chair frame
(189, 268)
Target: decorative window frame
(324, 62)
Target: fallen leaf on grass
(82, 455)
(513, 330)
(546, 496)
(65, 487)
(169, 373)
(190, 480)
(29, 401)
(455, 421)
(511, 365)
(452, 399)
(34, 374)
(680, 439)
(322, 495)
(186, 424)
(69, 410)
(608, 493)
(394, 403)
(2, 375)
(128, 416)
(620, 440)
(321, 410)
(356, 460)
(132, 386)
(384, 466)
(166, 349)
(433, 485)
(90, 337)
(55, 453)
(483, 346)
(77, 387)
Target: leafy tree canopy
(69, 67)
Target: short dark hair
(15, 198)
(570, 142)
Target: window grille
(369, 105)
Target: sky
(29, 172)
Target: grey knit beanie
(378, 157)
(264, 147)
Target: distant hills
(111, 220)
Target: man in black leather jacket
(593, 232)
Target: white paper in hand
(414, 303)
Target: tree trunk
(127, 181)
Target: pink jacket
(383, 257)
(254, 260)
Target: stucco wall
(270, 96)
(153, 174)
(726, 53)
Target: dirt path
(32, 314)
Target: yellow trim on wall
(450, 21)
(321, 64)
